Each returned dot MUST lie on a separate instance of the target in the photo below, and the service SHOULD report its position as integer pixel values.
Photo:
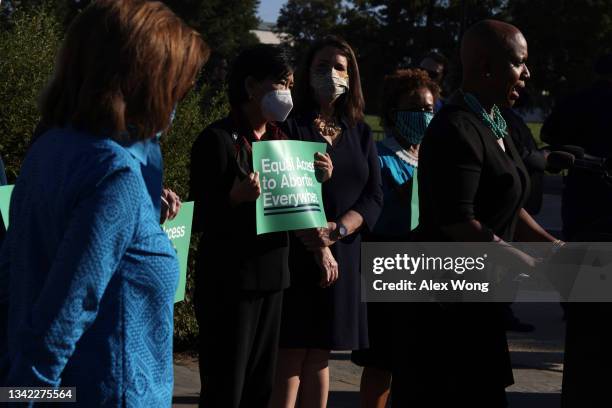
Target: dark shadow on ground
(533, 400)
(348, 399)
(547, 361)
(549, 331)
(340, 355)
(343, 399)
(185, 400)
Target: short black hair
(261, 62)
(437, 57)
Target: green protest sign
(5, 200)
(290, 193)
(179, 232)
(414, 202)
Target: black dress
(240, 276)
(458, 354)
(334, 318)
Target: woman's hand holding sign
(170, 205)
(323, 166)
(249, 189)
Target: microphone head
(608, 165)
(576, 151)
(558, 160)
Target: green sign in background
(5, 200)
(290, 193)
(178, 230)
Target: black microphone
(591, 163)
(576, 151)
(558, 160)
(581, 160)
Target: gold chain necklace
(327, 127)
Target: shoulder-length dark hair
(348, 106)
(123, 63)
(261, 61)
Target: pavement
(537, 357)
(537, 360)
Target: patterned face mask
(411, 125)
(329, 84)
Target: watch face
(342, 230)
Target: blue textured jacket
(397, 217)
(91, 275)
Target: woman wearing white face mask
(239, 297)
(322, 309)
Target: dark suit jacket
(464, 174)
(532, 157)
(230, 251)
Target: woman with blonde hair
(90, 274)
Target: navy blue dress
(334, 318)
(399, 216)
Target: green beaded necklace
(497, 124)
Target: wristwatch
(340, 232)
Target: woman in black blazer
(472, 187)
(240, 275)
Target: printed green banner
(290, 193)
(179, 232)
(5, 200)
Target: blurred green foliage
(27, 53)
